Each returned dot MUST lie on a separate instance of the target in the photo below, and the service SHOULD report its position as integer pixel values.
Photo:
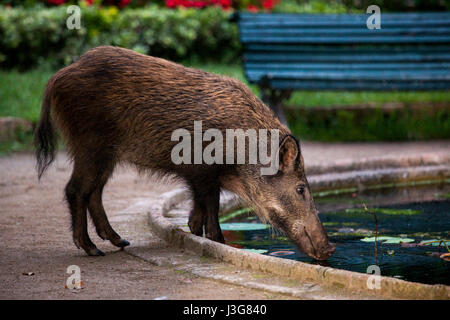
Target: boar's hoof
(95, 252)
(196, 223)
(89, 248)
(123, 243)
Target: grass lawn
(21, 93)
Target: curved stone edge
(363, 179)
(323, 276)
(373, 163)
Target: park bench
(287, 52)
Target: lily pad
(434, 242)
(243, 226)
(282, 253)
(389, 240)
(329, 224)
(261, 251)
(445, 256)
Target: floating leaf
(243, 226)
(261, 251)
(389, 240)
(281, 253)
(329, 224)
(445, 256)
(384, 211)
(434, 242)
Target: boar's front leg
(205, 215)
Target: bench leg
(274, 99)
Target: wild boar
(116, 106)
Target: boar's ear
(289, 153)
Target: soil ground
(36, 237)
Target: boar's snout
(325, 253)
(311, 238)
(315, 248)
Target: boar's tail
(44, 137)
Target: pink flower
(268, 4)
(171, 3)
(56, 2)
(252, 8)
(124, 3)
(225, 3)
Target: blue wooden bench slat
(425, 75)
(331, 57)
(285, 52)
(358, 85)
(347, 49)
(345, 40)
(282, 32)
(341, 24)
(243, 17)
(274, 66)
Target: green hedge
(29, 36)
(314, 6)
(399, 5)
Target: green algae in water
(234, 214)
(329, 224)
(243, 226)
(384, 211)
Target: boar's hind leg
(212, 226)
(206, 212)
(78, 191)
(96, 210)
(196, 220)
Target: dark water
(346, 227)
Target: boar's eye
(301, 189)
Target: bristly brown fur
(112, 95)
